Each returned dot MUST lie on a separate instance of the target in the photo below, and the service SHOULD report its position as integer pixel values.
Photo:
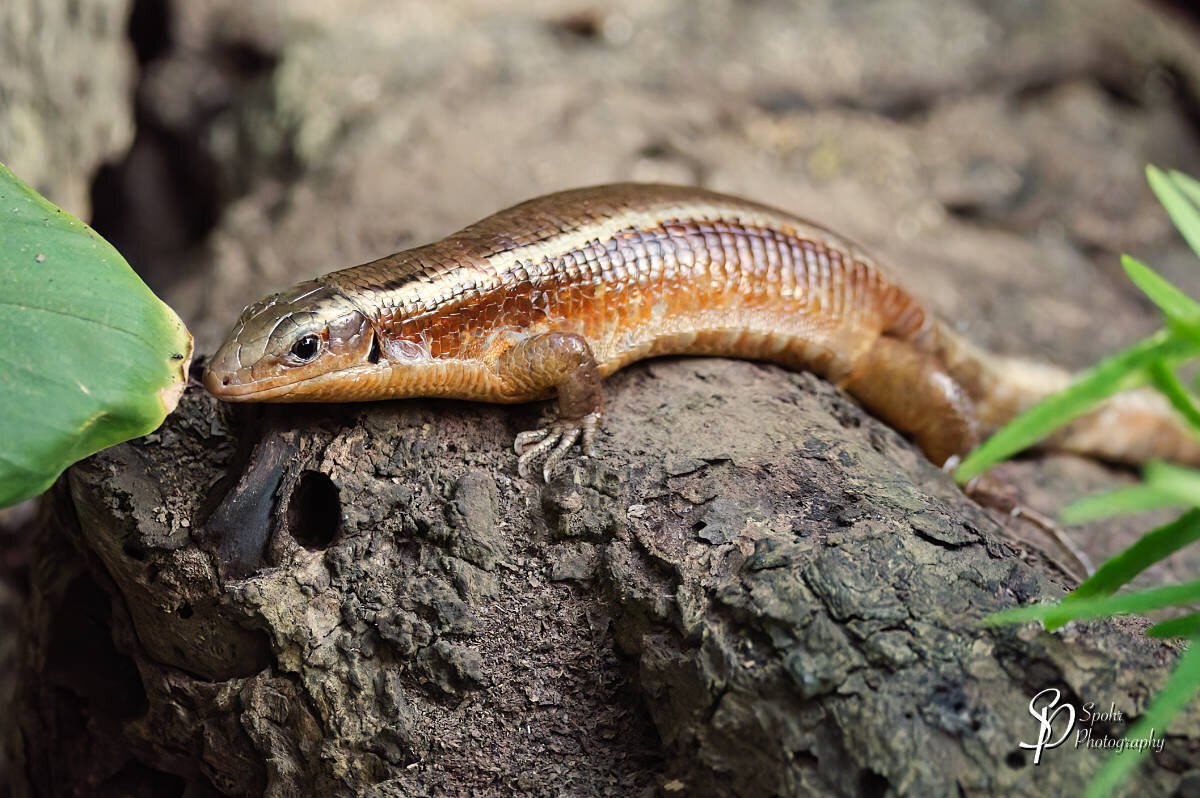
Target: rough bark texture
(757, 589)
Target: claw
(528, 438)
(532, 453)
(565, 443)
(554, 442)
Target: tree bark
(755, 589)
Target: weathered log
(755, 589)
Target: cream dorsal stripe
(416, 286)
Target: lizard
(547, 298)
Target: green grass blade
(1163, 377)
(1124, 370)
(1152, 547)
(1123, 501)
(1151, 360)
(1180, 689)
(1182, 483)
(1187, 185)
(1183, 626)
(1156, 598)
(1174, 303)
(1182, 212)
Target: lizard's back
(640, 270)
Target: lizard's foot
(556, 439)
(990, 492)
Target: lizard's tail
(1131, 427)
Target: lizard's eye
(306, 348)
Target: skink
(550, 296)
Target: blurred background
(991, 151)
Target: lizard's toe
(554, 442)
(566, 441)
(529, 438)
(534, 451)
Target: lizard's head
(289, 346)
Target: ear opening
(374, 355)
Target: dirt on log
(754, 589)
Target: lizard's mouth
(225, 386)
(324, 387)
(229, 386)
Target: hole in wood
(314, 511)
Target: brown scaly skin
(550, 296)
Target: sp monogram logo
(1045, 708)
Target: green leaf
(1124, 370)
(1183, 626)
(1179, 690)
(1122, 501)
(1182, 212)
(1152, 547)
(1143, 601)
(89, 357)
(1174, 303)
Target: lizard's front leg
(564, 363)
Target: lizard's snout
(222, 374)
